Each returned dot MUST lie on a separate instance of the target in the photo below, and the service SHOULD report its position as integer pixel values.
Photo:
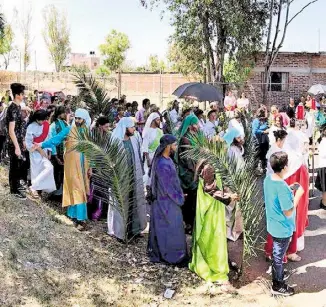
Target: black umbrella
(198, 91)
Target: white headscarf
(149, 121)
(120, 130)
(82, 113)
(295, 161)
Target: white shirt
(174, 116)
(243, 103)
(237, 154)
(310, 117)
(210, 129)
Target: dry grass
(45, 261)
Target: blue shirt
(278, 198)
(258, 127)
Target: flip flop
(33, 194)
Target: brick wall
(304, 70)
(156, 87)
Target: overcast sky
(91, 20)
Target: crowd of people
(184, 197)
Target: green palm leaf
(109, 159)
(242, 181)
(93, 94)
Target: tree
(235, 72)
(273, 44)
(216, 29)
(7, 48)
(103, 71)
(154, 65)
(25, 22)
(187, 61)
(114, 49)
(56, 35)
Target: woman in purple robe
(167, 239)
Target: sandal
(294, 258)
(33, 194)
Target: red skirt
(301, 176)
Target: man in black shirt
(291, 108)
(16, 140)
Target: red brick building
(292, 75)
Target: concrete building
(91, 61)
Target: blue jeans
(280, 246)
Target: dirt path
(45, 261)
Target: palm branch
(93, 94)
(109, 159)
(242, 181)
(171, 126)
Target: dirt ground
(45, 261)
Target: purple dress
(167, 239)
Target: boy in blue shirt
(280, 205)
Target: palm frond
(242, 181)
(93, 94)
(109, 159)
(171, 126)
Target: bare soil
(46, 261)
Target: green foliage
(109, 158)
(92, 94)
(114, 49)
(7, 49)
(56, 35)
(154, 64)
(186, 59)
(209, 30)
(235, 72)
(103, 71)
(79, 68)
(241, 180)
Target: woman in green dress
(210, 247)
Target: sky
(91, 20)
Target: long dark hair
(38, 115)
(57, 112)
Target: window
(279, 81)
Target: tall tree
(187, 61)
(114, 49)
(7, 48)
(56, 35)
(217, 28)
(25, 23)
(275, 36)
(154, 64)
